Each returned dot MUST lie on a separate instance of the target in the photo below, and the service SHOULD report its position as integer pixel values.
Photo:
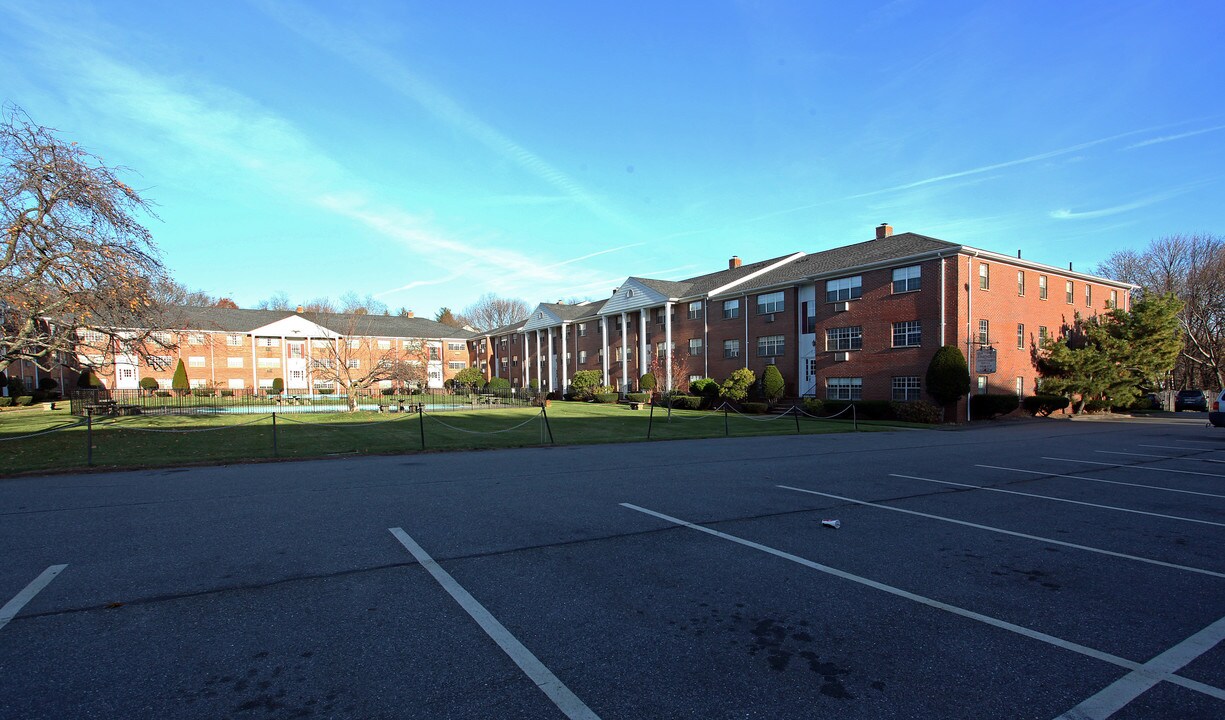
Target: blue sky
(427, 152)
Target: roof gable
(293, 326)
(635, 294)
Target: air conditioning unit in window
(769, 317)
(771, 361)
(842, 356)
(842, 306)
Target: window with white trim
(1113, 302)
(456, 347)
(695, 310)
(582, 357)
(1020, 387)
(269, 342)
(1068, 291)
(1041, 287)
(984, 276)
(196, 361)
(770, 303)
(908, 333)
(92, 337)
(695, 346)
(731, 348)
(237, 383)
(731, 309)
(1021, 283)
(906, 388)
(984, 332)
(582, 329)
(848, 288)
(844, 338)
(234, 340)
(161, 362)
(907, 279)
(1020, 336)
(844, 388)
(982, 384)
(771, 345)
(354, 363)
(195, 338)
(355, 344)
(456, 364)
(384, 344)
(233, 362)
(1088, 295)
(321, 344)
(1042, 333)
(268, 362)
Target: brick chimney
(300, 309)
(883, 231)
(733, 263)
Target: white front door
(125, 373)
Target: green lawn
(145, 441)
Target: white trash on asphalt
(835, 524)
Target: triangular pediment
(632, 295)
(294, 326)
(541, 318)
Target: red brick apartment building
(247, 349)
(860, 321)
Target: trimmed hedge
(6, 401)
(24, 400)
(864, 409)
(1092, 406)
(607, 398)
(814, 406)
(754, 408)
(325, 391)
(989, 405)
(227, 393)
(918, 411)
(497, 384)
(638, 397)
(686, 402)
(1044, 405)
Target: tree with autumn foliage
(74, 254)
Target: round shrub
(813, 406)
(46, 384)
(607, 397)
(496, 384)
(638, 397)
(772, 384)
(148, 383)
(647, 382)
(278, 386)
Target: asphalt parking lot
(1062, 569)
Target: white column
(539, 376)
(254, 370)
(565, 367)
(642, 343)
(284, 364)
(310, 368)
(625, 345)
(551, 363)
(604, 355)
(525, 373)
(668, 343)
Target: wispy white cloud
(527, 200)
(1066, 214)
(593, 254)
(382, 66)
(199, 122)
(1169, 138)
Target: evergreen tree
(179, 383)
(948, 375)
(772, 384)
(647, 382)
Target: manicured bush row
(1044, 405)
(638, 397)
(919, 411)
(754, 408)
(987, 406)
(607, 398)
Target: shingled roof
(834, 260)
(245, 321)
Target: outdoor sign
(984, 360)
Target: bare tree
(491, 311)
(679, 370)
(73, 254)
(356, 363)
(1192, 267)
(351, 302)
(278, 301)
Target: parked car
(1216, 413)
(1155, 401)
(1191, 400)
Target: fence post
(89, 440)
(650, 421)
(547, 425)
(275, 453)
(797, 419)
(854, 419)
(669, 408)
(421, 418)
(726, 431)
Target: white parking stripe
(1167, 457)
(562, 697)
(1101, 480)
(1115, 696)
(1059, 499)
(14, 606)
(1180, 447)
(970, 614)
(1135, 467)
(1002, 531)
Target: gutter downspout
(970, 326)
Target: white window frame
(769, 303)
(844, 289)
(771, 346)
(695, 310)
(910, 332)
(907, 279)
(731, 309)
(197, 361)
(843, 339)
(844, 388)
(731, 349)
(907, 388)
(233, 362)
